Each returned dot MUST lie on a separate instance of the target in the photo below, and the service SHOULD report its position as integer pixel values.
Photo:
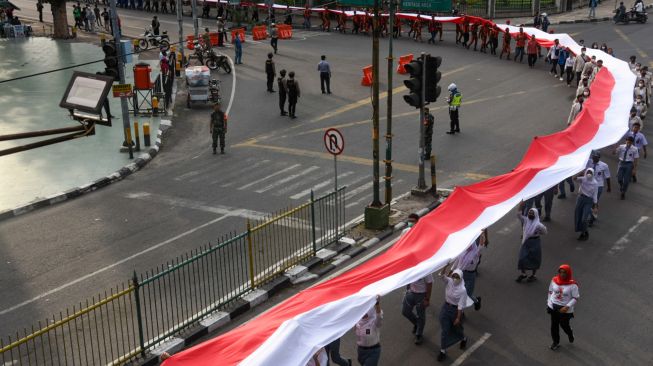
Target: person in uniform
(628, 157)
(454, 100)
(587, 200)
(483, 33)
(274, 37)
(474, 39)
(292, 88)
(206, 39)
(506, 45)
(325, 75)
(530, 252)
(451, 313)
(494, 39)
(368, 335)
(270, 72)
(602, 176)
(468, 263)
(218, 127)
(281, 85)
(155, 25)
(520, 44)
(640, 142)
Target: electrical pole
(121, 75)
(421, 181)
(195, 21)
(388, 133)
(180, 21)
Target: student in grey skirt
(530, 253)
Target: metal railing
(132, 318)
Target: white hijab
(459, 290)
(530, 227)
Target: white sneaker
(561, 79)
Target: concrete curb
(325, 261)
(116, 176)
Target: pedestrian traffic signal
(432, 89)
(414, 84)
(110, 60)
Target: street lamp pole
(195, 21)
(376, 201)
(180, 21)
(388, 133)
(121, 75)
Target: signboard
(360, 3)
(333, 141)
(122, 91)
(426, 5)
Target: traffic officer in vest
(454, 100)
(218, 127)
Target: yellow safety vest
(456, 99)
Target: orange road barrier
(285, 31)
(189, 42)
(213, 37)
(367, 76)
(259, 32)
(403, 60)
(238, 31)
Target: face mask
(589, 175)
(410, 224)
(457, 281)
(587, 94)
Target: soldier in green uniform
(218, 127)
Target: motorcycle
(214, 90)
(630, 16)
(215, 61)
(161, 41)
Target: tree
(59, 18)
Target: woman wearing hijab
(368, 335)
(587, 199)
(530, 254)
(456, 300)
(563, 295)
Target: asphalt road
(62, 254)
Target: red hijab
(569, 281)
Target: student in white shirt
(320, 358)
(628, 156)
(563, 295)
(602, 176)
(588, 190)
(468, 263)
(451, 322)
(368, 335)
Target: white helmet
(452, 87)
(543, 14)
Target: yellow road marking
(347, 158)
(627, 39)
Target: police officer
(429, 121)
(218, 127)
(270, 71)
(454, 100)
(292, 88)
(281, 84)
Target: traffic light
(432, 78)
(414, 84)
(110, 60)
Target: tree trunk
(60, 20)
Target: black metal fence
(129, 320)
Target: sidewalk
(604, 12)
(42, 176)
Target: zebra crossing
(292, 180)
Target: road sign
(122, 91)
(426, 5)
(333, 141)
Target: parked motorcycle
(630, 16)
(214, 90)
(161, 41)
(215, 61)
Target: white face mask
(587, 94)
(589, 175)
(457, 281)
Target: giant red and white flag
(292, 331)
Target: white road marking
(459, 361)
(113, 265)
(187, 175)
(268, 177)
(288, 179)
(294, 186)
(238, 173)
(358, 190)
(620, 244)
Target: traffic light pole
(388, 133)
(121, 75)
(180, 21)
(195, 21)
(421, 181)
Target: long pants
(455, 123)
(239, 56)
(432, 39)
(592, 12)
(325, 79)
(333, 350)
(624, 175)
(582, 213)
(307, 22)
(369, 356)
(554, 66)
(413, 300)
(570, 74)
(292, 104)
(41, 16)
(561, 186)
(273, 43)
(282, 102)
(532, 57)
(470, 281)
(220, 137)
(270, 82)
(519, 52)
(579, 74)
(560, 320)
(548, 202)
(450, 334)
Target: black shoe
(284, 113)
(442, 356)
(547, 218)
(414, 329)
(581, 236)
(323, 92)
(450, 132)
(531, 278)
(623, 196)
(554, 346)
(349, 361)
(562, 196)
(222, 151)
(571, 337)
(419, 339)
(520, 278)
(634, 179)
(214, 152)
(477, 304)
(457, 130)
(586, 235)
(463, 343)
